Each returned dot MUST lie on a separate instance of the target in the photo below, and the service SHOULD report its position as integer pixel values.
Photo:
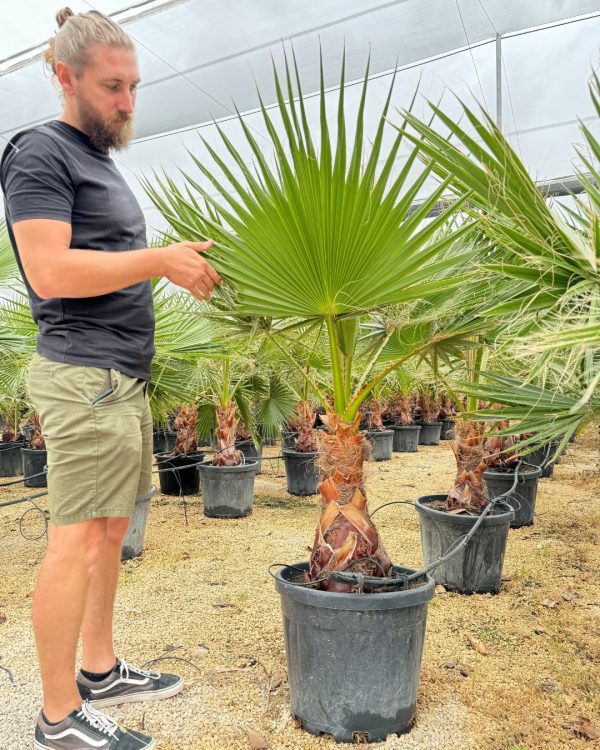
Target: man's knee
(116, 530)
(78, 543)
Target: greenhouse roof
(199, 57)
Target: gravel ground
(201, 593)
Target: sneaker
(128, 684)
(85, 728)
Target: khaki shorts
(98, 430)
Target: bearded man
(80, 240)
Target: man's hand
(184, 266)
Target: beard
(113, 132)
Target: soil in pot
(11, 461)
(301, 472)
(498, 482)
(430, 433)
(179, 481)
(353, 660)
(381, 443)
(250, 452)
(477, 568)
(34, 467)
(406, 438)
(228, 491)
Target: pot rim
(535, 474)
(500, 519)
(249, 465)
(392, 600)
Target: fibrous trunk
(375, 418)
(226, 454)
(469, 491)
(346, 538)
(37, 441)
(402, 408)
(185, 426)
(303, 421)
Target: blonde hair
(76, 33)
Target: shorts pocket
(99, 385)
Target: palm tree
(318, 235)
(552, 258)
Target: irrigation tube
(400, 581)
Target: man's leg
(96, 631)
(58, 607)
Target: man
(80, 241)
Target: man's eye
(112, 88)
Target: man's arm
(55, 270)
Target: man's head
(95, 63)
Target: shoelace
(125, 667)
(98, 720)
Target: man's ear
(66, 77)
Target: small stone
(440, 589)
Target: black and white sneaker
(85, 728)
(128, 684)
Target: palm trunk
(469, 491)
(346, 538)
(227, 422)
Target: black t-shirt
(53, 172)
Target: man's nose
(127, 102)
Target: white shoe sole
(37, 746)
(154, 695)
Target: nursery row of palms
(338, 280)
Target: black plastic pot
(301, 472)
(227, 491)
(250, 452)
(353, 660)
(430, 433)
(34, 466)
(381, 444)
(288, 439)
(539, 456)
(406, 438)
(478, 567)
(499, 482)
(133, 543)
(181, 481)
(447, 432)
(11, 461)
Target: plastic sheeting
(198, 57)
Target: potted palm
(178, 474)
(301, 470)
(551, 258)
(446, 415)
(321, 239)
(380, 439)
(11, 442)
(34, 454)
(431, 426)
(445, 519)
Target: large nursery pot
(430, 433)
(11, 461)
(301, 471)
(406, 438)
(34, 467)
(134, 541)
(250, 452)
(227, 491)
(542, 454)
(181, 481)
(381, 443)
(525, 492)
(447, 432)
(477, 568)
(353, 659)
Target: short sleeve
(36, 179)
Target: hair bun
(63, 15)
